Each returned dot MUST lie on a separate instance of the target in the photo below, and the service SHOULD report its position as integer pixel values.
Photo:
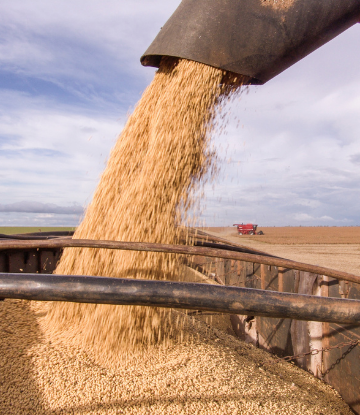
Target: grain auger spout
(255, 38)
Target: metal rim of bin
(259, 258)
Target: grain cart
(248, 229)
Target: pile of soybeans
(65, 358)
(281, 5)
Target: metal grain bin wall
(31, 260)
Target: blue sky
(70, 74)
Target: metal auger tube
(206, 297)
(250, 37)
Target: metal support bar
(205, 297)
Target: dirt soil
(332, 247)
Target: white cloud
(51, 154)
(303, 217)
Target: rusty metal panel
(274, 333)
(271, 278)
(241, 274)
(57, 256)
(248, 276)
(299, 329)
(4, 263)
(48, 261)
(344, 289)
(286, 337)
(334, 288)
(257, 270)
(31, 261)
(235, 277)
(16, 261)
(227, 270)
(243, 277)
(354, 292)
(23, 261)
(344, 376)
(219, 264)
(231, 273)
(289, 280)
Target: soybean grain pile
(214, 374)
(281, 5)
(93, 359)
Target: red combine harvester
(248, 229)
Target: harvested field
(332, 247)
(311, 235)
(296, 235)
(12, 230)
